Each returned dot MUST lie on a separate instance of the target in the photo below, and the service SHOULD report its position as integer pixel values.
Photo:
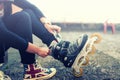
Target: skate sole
(80, 55)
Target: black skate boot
(67, 52)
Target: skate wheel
(78, 74)
(93, 50)
(86, 61)
(99, 37)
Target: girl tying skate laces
(16, 31)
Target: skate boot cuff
(59, 51)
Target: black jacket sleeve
(24, 4)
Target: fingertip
(49, 52)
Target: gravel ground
(104, 65)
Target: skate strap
(57, 36)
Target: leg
(65, 46)
(20, 24)
(39, 30)
(23, 28)
(9, 39)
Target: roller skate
(82, 58)
(36, 72)
(74, 54)
(67, 52)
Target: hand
(52, 28)
(43, 52)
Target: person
(16, 31)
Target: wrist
(32, 48)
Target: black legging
(17, 32)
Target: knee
(23, 15)
(29, 11)
(23, 19)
